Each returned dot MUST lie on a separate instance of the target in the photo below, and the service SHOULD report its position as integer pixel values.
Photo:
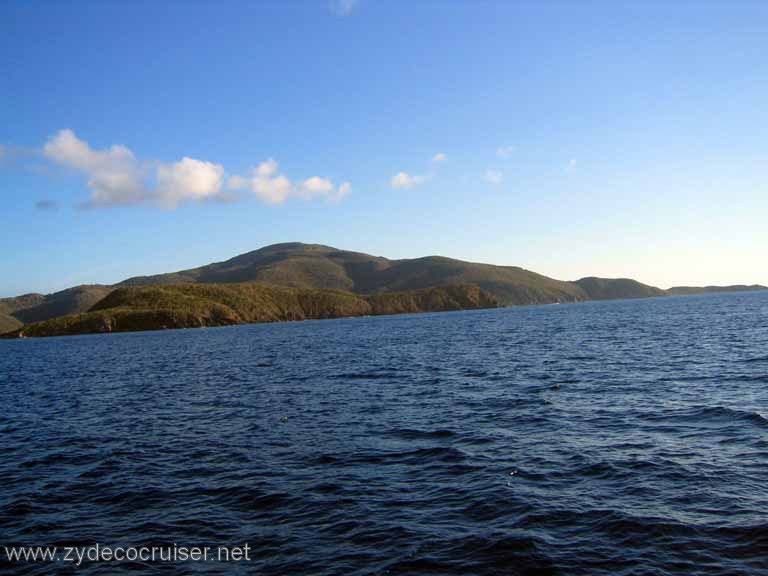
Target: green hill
(8, 323)
(615, 288)
(37, 307)
(197, 305)
(314, 266)
(688, 290)
(317, 267)
(18, 303)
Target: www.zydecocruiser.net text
(79, 555)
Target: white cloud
(342, 7)
(188, 179)
(316, 186)
(439, 157)
(274, 188)
(322, 187)
(571, 164)
(494, 177)
(114, 175)
(267, 185)
(505, 151)
(266, 169)
(117, 178)
(343, 190)
(405, 180)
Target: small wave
(414, 434)
(421, 456)
(724, 413)
(506, 553)
(752, 378)
(709, 414)
(364, 376)
(58, 459)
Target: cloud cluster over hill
(117, 178)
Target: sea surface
(625, 437)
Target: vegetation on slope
(37, 307)
(453, 297)
(614, 288)
(321, 267)
(196, 305)
(11, 305)
(8, 323)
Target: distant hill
(318, 267)
(614, 288)
(315, 266)
(36, 307)
(17, 303)
(689, 290)
(198, 305)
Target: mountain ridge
(317, 266)
(690, 290)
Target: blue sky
(570, 138)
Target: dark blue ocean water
(616, 438)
